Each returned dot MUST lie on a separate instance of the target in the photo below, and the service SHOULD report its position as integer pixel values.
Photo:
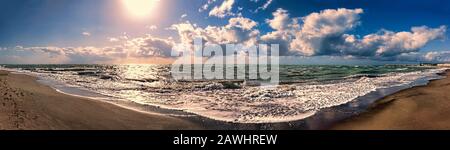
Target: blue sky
(104, 31)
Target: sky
(144, 31)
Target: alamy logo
(257, 64)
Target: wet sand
(419, 108)
(29, 105)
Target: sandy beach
(419, 108)
(28, 105)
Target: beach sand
(29, 105)
(426, 107)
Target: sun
(140, 8)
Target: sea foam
(242, 104)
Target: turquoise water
(161, 72)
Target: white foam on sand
(248, 104)
(282, 104)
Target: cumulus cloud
(322, 33)
(388, 43)
(241, 22)
(130, 48)
(238, 30)
(282, 38)
(280, 21)
(186, 32)
(223, 10)
(149, 46)
(440, 56)
(325, 34)
(284, 27)
(319, 30)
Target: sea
(304, 90)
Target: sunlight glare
(140, 8)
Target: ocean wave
(280, 104)
(238, 101)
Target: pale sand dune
(426, 107)
(26, 104)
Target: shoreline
(29, 105)
(138, 117)
(417, 108)
(329, 118)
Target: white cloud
(152, 27)
(267, 4)
(401, 42)
(52, 50)
(441, 56)
(284, 27)
(142, 47)
(238, 30)
(280, 21)
(86, 33)
(183, 16)
(206, 6)
(388, 43)
(114, 40)
(241, 22)
(186, 32)
(264, 6)
(282, 38)
(125, 37)
(223, 10)
(149, 46)
(32, 57)
(319, 30)
(433, 57)
(324, 33)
